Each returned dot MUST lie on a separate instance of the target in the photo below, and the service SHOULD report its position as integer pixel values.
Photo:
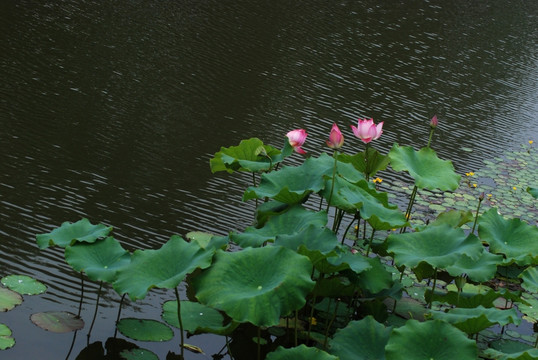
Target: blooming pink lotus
(296, 139)
(336, 139)
(367, 131)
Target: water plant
(295, 286)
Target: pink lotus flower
(367, 131)
(336, 139)
(296, 139)
(434, 122)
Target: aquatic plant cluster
(330, 269)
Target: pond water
(112, 110)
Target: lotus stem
(81, 293)
(370, 242)
(119, 313)
(95, 312)
(296, 320)
(433, 288)
(72, 344)
(335, 155)
(330, 324)
(259, 346)
(347, 228)
(480, 198)
(180, 322)
(311, 316)
(430, 138)
(409, 207)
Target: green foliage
(57, 321)
(301, 352)
(69, 233)
(473, 320)
(6, 341)
(144, 329)
(23, 284)
(9, 299)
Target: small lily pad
(145, 329)
(194, 316)
(6, 341)
(9, 299)
(57, 321)
(23, 284)
(138, 354)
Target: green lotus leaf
(480, 269)
(268, 209)
(207, 240)
(529, 307)
(6, 341)
(440, 246)
(196, 317)
(376, 278)
(312, 238)
(258, 285)
(339, 259)
(57, 321)
(301, 352)
(23, 284)
(138, 354)
(292, 184)
(334, 287)
(473, 320)
(144, 329)
(373, 162)
(162, 268)
(250, 155)
(533, 192)
(9, 299)
(69, 233)
(455, 218)
(530, 279)
(513, 238)
(510, 350)
(361, 340)
(425, 167)
(292, 222)
(100, 260)
(433, 339)
(373, 205)
(464, 299)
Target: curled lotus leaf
(513, 238)
(425, 167)
(369, 161)
(530, 279)
(69, 233)
(480, 269)
(301, 352)
(473, 320)
(440, 246)
(163, 268)
(258, 285)
(433, 339)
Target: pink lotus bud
(296, 139)
(336, 139)
(434, 122)
(367, 131)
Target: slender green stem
(330, 324)
(477, 212)
(366, 164)
(335, 155)
(370, 242)
(119, 314)
(347, 228)
(259, 345)
(409, 207)
(95, 312)
(81, 293)
(431, 135)
(311, 316)
(180, 323)
(296, 321)
(433, 287)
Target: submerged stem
(180, 322)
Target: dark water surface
(111, 111)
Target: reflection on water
(111, 111)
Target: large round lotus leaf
(6, 341)
(440, 246)
(258, 285)
(311, 238)
(530, 279)
(145, 329)
(23, 284)
(481, 269)
(510, 350)
(370, 159)
(291, 184)
(473, 320)
(293, 222)
(514, 238)
(427, 340)
(425, 167)
(361, 340)
(99, 260)
(301, 352)
(57, 321)
(194, 316)
(138, 354)
(250, 155)
(9, 299)
(69, 233)
(162, 268)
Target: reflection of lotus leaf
(258, 285)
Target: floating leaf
(196, 317)
(9, 299)
(144, 329)
(68, 233)
(301, 352)
(258, 285)
(361, 340)
(6, 341)
(473, 320)
(433, 339)
(138, 354)
(530, 279)
(57, 321)
(23, 284)
(514, 238)
(100, 260)
(207, 240)
(162, 268)
(440, 246)
(425, 167)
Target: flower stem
(409, 207)
(430, 139)
(433, 288)
(180, 322)
(335, 155)
(370, 242)
(95, 312)
(477, 212)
